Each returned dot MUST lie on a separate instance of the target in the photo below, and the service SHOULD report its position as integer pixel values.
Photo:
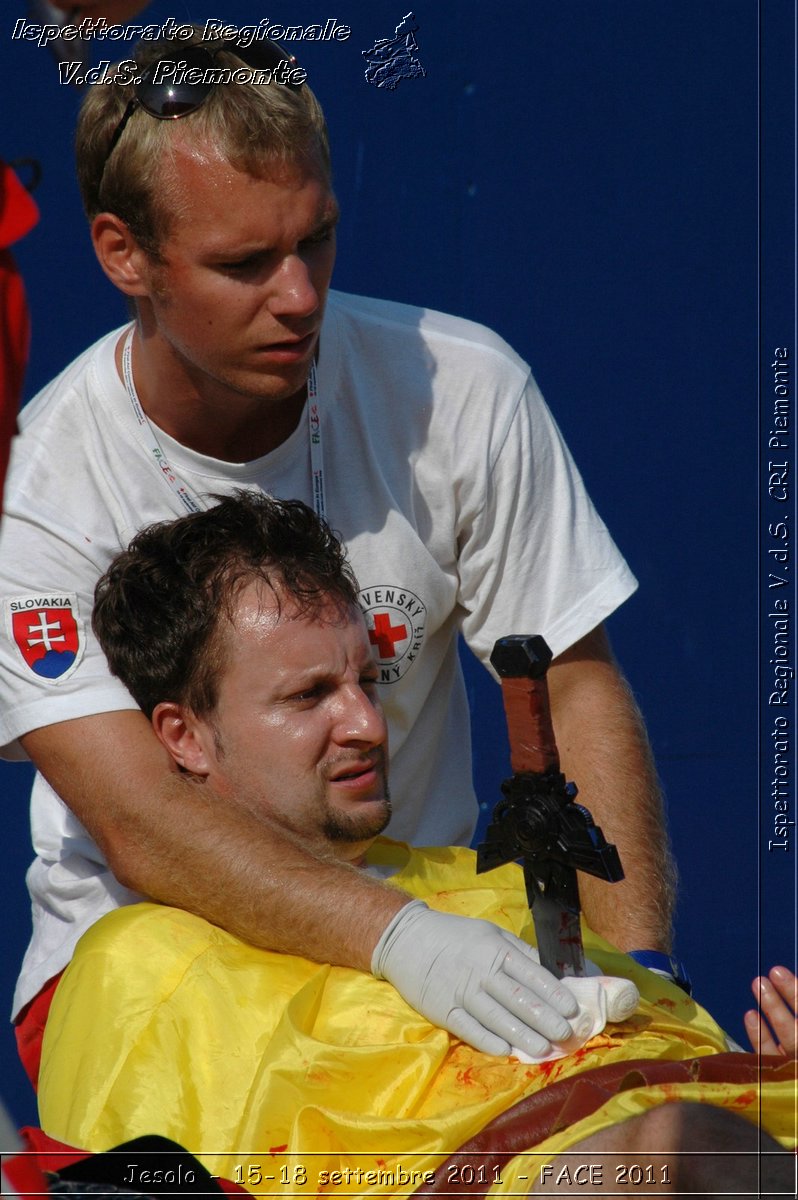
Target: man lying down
(237, 630)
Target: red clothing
(18, 214)
(29, 1029)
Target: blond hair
(255, 126)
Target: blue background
(580, 175)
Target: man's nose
(293, 290)
(361, 719)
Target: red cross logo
(384, 635)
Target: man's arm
(171, 838)
(604, 749)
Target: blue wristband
(664, 964)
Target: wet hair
(164, 607)
(257, 127)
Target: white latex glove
(481, 983)
(601, 998)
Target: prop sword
(537, 821)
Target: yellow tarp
(276, 1070)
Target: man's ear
(120, 255)
(188, 740)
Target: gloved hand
(481, 983)
(601, 998)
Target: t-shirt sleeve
(51, 666)
(534, 555)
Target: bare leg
(702, 1151)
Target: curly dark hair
(162, 608)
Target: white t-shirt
(446, 477)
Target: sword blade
(559, 937)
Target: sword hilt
(521, 662)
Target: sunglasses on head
(175, 86)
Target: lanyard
(187, 497)
(316, 457)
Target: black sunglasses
(168, 94)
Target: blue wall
(582, 176)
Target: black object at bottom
(150, 1166)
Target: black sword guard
(539, 824)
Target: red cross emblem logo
(396, 619)
(47, 634)
(385, 636)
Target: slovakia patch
(396, 618)
(47, 632)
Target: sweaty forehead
(187, 158)
(262, 608)
(273, 643)
(208, 197)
